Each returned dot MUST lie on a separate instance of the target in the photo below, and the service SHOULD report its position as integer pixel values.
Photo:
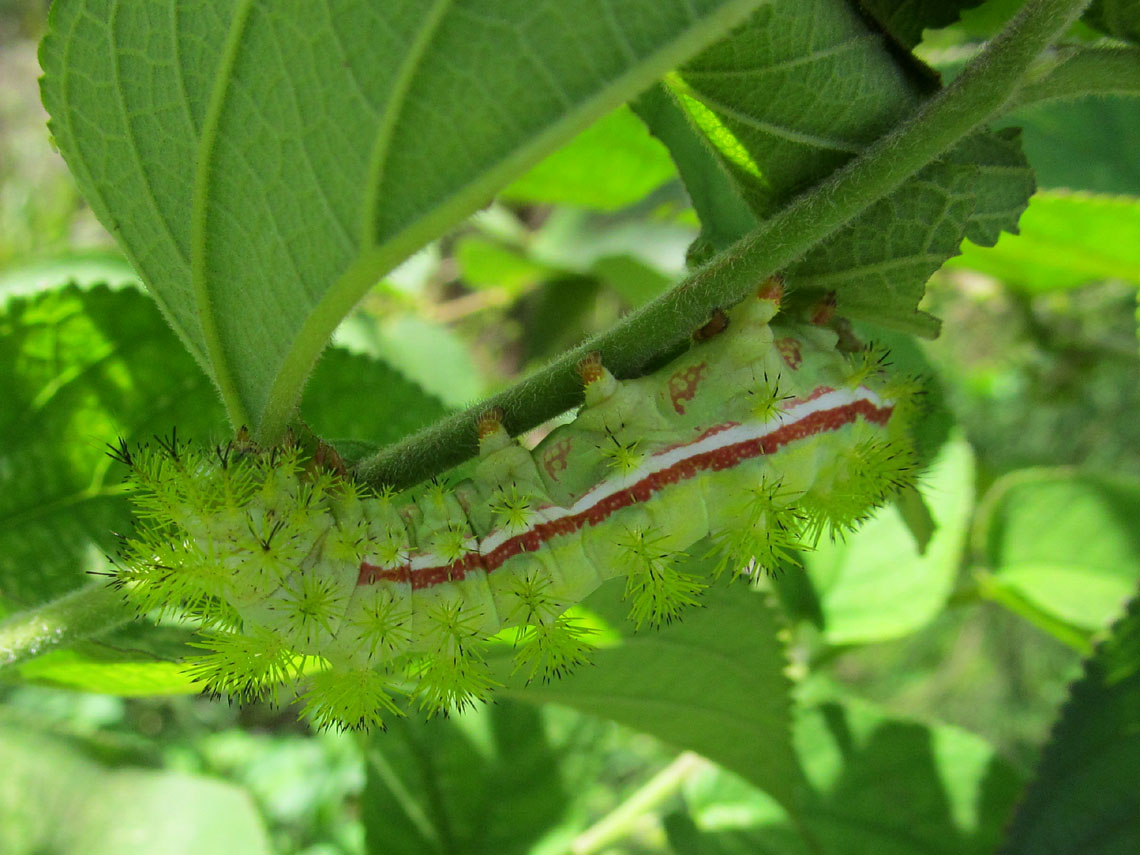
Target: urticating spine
(757, 439)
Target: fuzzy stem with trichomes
(79, 614)
(983, 89)
(1081, 73)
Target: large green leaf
(1084, 799)
(1120, 18)
(713, 682)
(611, 164)
(879, 263)
(1083, 145)
(794, 94)
(55, 800)
(1066, 240)
(1066, 542)
(906, 19)
(264, 163)
(882, 784)
(874, 584)
(487, 782)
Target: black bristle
(120, 453)
(170, 446)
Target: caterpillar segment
(760, 438)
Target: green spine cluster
(302, 579)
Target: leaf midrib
(223, 374)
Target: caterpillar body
(758, 439)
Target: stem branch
(1083, 72)
(618, 823)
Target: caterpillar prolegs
(759, 438)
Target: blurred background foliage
(1036, 496)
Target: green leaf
(875, 585)
(53, 799)
(882, 784)
(1083, 145)
(1120, 18)
(718, 200)
(895, 787)
(91, 670)
(1066, 240)
(85, 268)
(264, 165)
(1084, 798)
(713, 682)
(1065, 541)
(611, 164)
(486, 782)
(879, 263)
(747, 94)
(906, 19)
(795, 93)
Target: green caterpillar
(759, 438)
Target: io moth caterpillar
(758, 437)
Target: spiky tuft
(455, 674)
(349, 699)
(657, 591)
(245, 666)
(766, 533)
(549, 650)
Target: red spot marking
(772, 289)
(370, 573)
(488, 422)
(824, 310)
(715, 460)
(554, 459)
(683, 385)
(590, 368)
(818, 392)
(790, 349)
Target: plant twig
(619, 823)
(78, 614)
(1083, 72)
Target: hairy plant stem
(79, 614)
(1083, 72)
(984, 88)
